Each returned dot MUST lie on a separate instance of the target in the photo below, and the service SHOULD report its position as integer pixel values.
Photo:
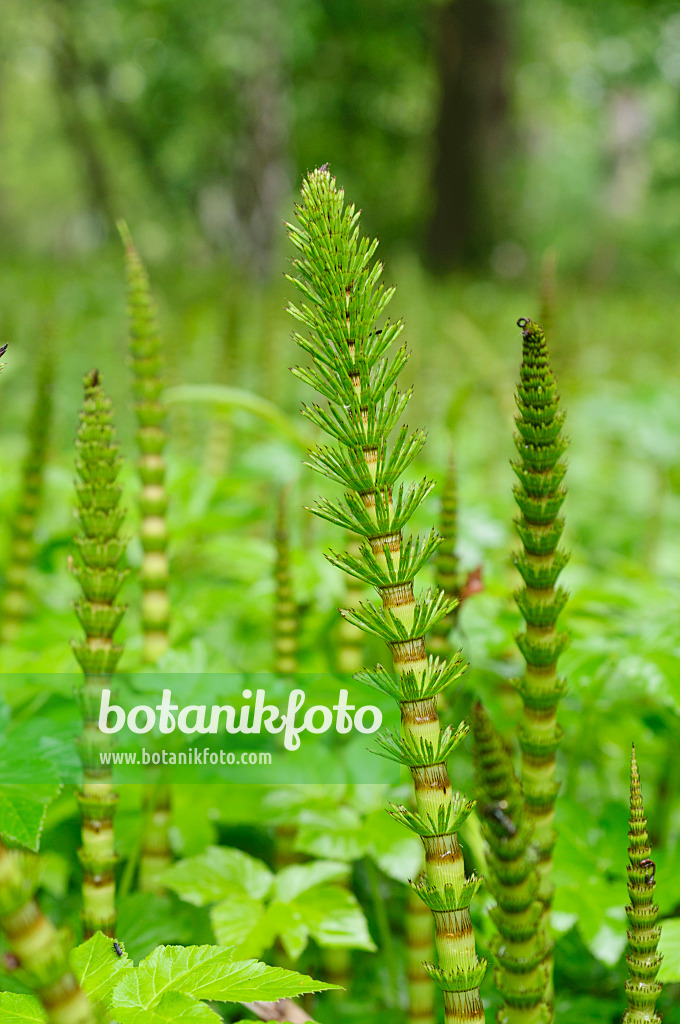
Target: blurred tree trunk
(472, 132)
(69, 80)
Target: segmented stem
(447, 562)
(351, 641)
(419, 950)
(343, 303)
(644, 960)
(539, 495)
(522, 945)
(147, 387)
(286, 612)
(100, 553)
(156, 852)
(15, 603)
(38, 947)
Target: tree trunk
(471, 134)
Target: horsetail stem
(100, 549)
(351, 644)
(419, 950)
(38, 947)
(522, 944)
(446, 560)
(285, 611)
(147, 387)
(539, 495)
(156, 852)
(644, 960)
(343, 304)
(15, 604)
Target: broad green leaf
(286, 921)
(215, 874)
(171, 1007)
(669, 945)
(334, 918)
(208, 972)
(299, 878)
(237, 923)
(98, 967)
(341, 833)
(16, 1009)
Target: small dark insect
(117, 950)
(497, 812)
(649, 869)
(3, 349)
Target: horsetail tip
(126, 237)
(529, 327)
(92, 379)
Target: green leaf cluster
(172, 983)
(251, 907)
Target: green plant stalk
(644, 960)
(446, 560)
(100, 550)
(156, 852)
(351, 645)
(419, 950)
(539, 494)
(40, 950)
(285, 609)
(15, 605)
(343, 304)
(147, 387)
(522, 944)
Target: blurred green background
(516, 158)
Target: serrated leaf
(17, 1009)
(669, 945)
(171, 1007)
(22, 811)
(98, 967)
(213, 875)
(208, 972)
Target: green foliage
(522, 944)
(25, 792)
(172, 982)
(344, 301)
(101, 550)
(642, 988)
(539, 496)
(147, 388)
(38, 949)
(252, 909)
(16, 605)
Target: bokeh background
(516, 158)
